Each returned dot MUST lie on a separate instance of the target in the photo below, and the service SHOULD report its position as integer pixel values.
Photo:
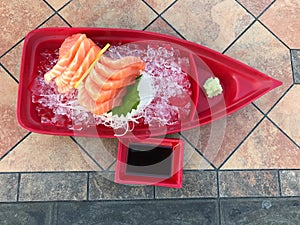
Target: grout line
(279, 99)
(244, 139)
(177, 32)
(259, 170)
(259, 197)
(154, 192)
(199, 170)
(245, 8)
(117, 200)
(12, 148)
(56, 12)
(149, 24)
(49, 5)
(159, 15)
(106, 171)
(149, 6)
(11, 48)
(18, 187)
(45, 21)
(262, 12)
(108, 168)
(67, 3)
(283, 132)
(55, 212)
(218, 196)
(87, 153)
(292, 65)
(48, 19)
(48, 172)
(88, 186)
(279, 183)
(218, 183)
(239, 36)
(161, 199)
(258, 109)
(9, 73)
(199, 152)
(166, 9)
(196, 171)
(273, 34)
(64, 20)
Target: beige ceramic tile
(160, 26)
(17, 18)
(286, 114)
(47, 153)
(103, 151)
(283, 18)
(214, 24)
(57, 4)
(12, 59)
(192, 159)
(218, 140)
(261, 50)
(158, 5)
(256, 6)
(266, 148)
(55, 21)
(132, 14)
(10, 132)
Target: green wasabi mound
(212, 87)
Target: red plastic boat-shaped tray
(241, 83)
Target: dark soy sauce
(149, 160)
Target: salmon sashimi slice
(104, 107)
(84, 99)
(98, 108)
(88, 60)
(97, 94)
(67, 44)
(65, 60)
(64, 89)
(106, 84)
(119, 63)
(82, 51)
(66, 76)
(109, 73)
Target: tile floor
(252, 156)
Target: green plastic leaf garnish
(130, 101)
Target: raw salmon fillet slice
(98, 108)
(65, 59)
(98, 94)
(114, 74)
(88, 60)
(119, 63)
(79, 58)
